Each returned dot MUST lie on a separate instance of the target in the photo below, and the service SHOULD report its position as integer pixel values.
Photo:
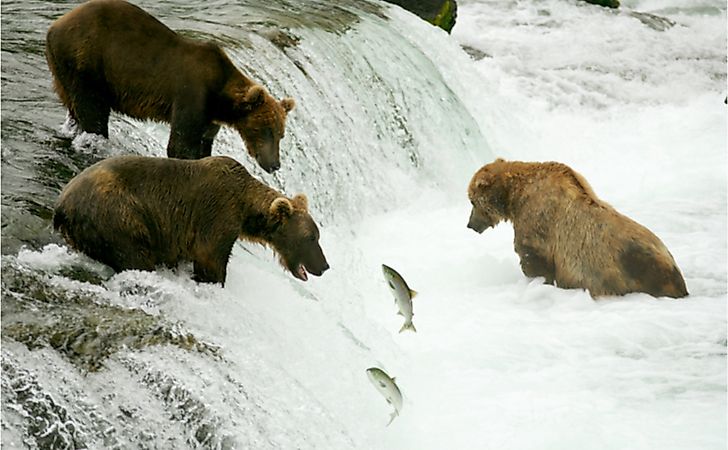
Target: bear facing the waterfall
(109, 55)
(135, 212)
(566, 234)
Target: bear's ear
(300, 201)
(288, 104)
(281, 209)
(499, 160)
(253, 97)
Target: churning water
(393, 117)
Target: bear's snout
(476, 228)
(270, 167)
(477, 222)
(325, 267)
(319, 270)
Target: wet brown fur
(566, 234)
(132, 212)
(110, 55)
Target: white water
(499, 361)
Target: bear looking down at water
(132, 212)
(567, 235)
(109, 55)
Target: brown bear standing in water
(132, 212)
(110, 55)
(565, 234)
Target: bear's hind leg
(123, 252)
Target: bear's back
(156, 178)
(104, 14)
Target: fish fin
(392, 416)
(394, 379)
(408, 326)
(413, 293)
(399, 313)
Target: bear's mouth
(300, 273)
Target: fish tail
(392, 416)
(408, 326)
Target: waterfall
(382, 101)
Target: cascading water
(392, 119)
(107, 362)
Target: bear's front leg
(207, 139)
(211, 259)
(534, 262)
(210, 271)
(187, 127)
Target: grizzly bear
(567, 235)
(132, 212)
(109, 55)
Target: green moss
(445, 19)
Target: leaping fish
(403, 296)
(388, 388)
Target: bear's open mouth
(300, 273)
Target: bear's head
(261, 122)
(295, 237)
(489, 196)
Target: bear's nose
(478, 228)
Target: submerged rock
(474, 53)
(605, 3)
(47, 424)
(653, 21)
(38, 312)
(441, 13)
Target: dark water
(36, 162)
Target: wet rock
(47, 424)
(474, 53)
(605, 3)
(77, 323)
(441, 13)
(653, 21)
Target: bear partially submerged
(567, 235)
(110, 55)
(134, 212)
